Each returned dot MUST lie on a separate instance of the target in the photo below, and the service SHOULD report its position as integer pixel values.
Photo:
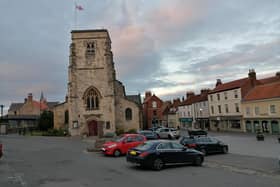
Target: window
(108, 125)
(92, 99)
(219, 109)
(212, 109)
(257, 110)
(189, 114)
(90, 50)
(225, 94)
(128, 114)
(272, 109)
(235, 124)
(154, 104)
(236, 107)
(166, 145)
(226, 108)
(211, 97)
(66, 117)
(235, 94)
(155, 113)
(218, 97)
(247, 110)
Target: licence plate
(133, 152)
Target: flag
(79, 7)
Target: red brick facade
(152, 110)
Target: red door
(92, 128)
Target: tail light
(143, 154)
(192, 145)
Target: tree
(46, 121)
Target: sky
(167, 47)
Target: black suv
(205, 144)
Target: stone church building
(96, 103)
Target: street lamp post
(1, 106)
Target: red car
(121, 145)
(1, 150)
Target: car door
(180, 153)
(211, 145)
(128, 143)
(165, 152)
(216, 146)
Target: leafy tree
(46, 121)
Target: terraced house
(261, 109)
(226, 100)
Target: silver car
(170, 133)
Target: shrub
(109, 135)
(132, 131)
(55, 132)
(119, 131)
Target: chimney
(219, 82)
(278, 74)
(252, 76)
(29, 97)
(190, 94)
(204, 91)
(148, 94)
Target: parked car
(170, 133)
(197, 132)
(122, 144)
(1, 149)
(205, 144)
(150, 135)
(158, 153)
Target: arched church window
(128, 114)
(92, 99)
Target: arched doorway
(92, 128)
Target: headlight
(111, 146)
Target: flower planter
(260, 137)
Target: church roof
(134, 98)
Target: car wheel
(117, 153)
(198, 161)
(203, 151)
(225, 150)
(158, 164)
(169, 136)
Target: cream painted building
(261, 109)
(96, 102)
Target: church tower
(91, 83)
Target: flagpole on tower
(77, 8)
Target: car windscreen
(120, 139)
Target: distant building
(96, 101)
(225, 101)
(153, 108)
(171, 113)
(261, 109)
(26, 114)
(193, 112)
